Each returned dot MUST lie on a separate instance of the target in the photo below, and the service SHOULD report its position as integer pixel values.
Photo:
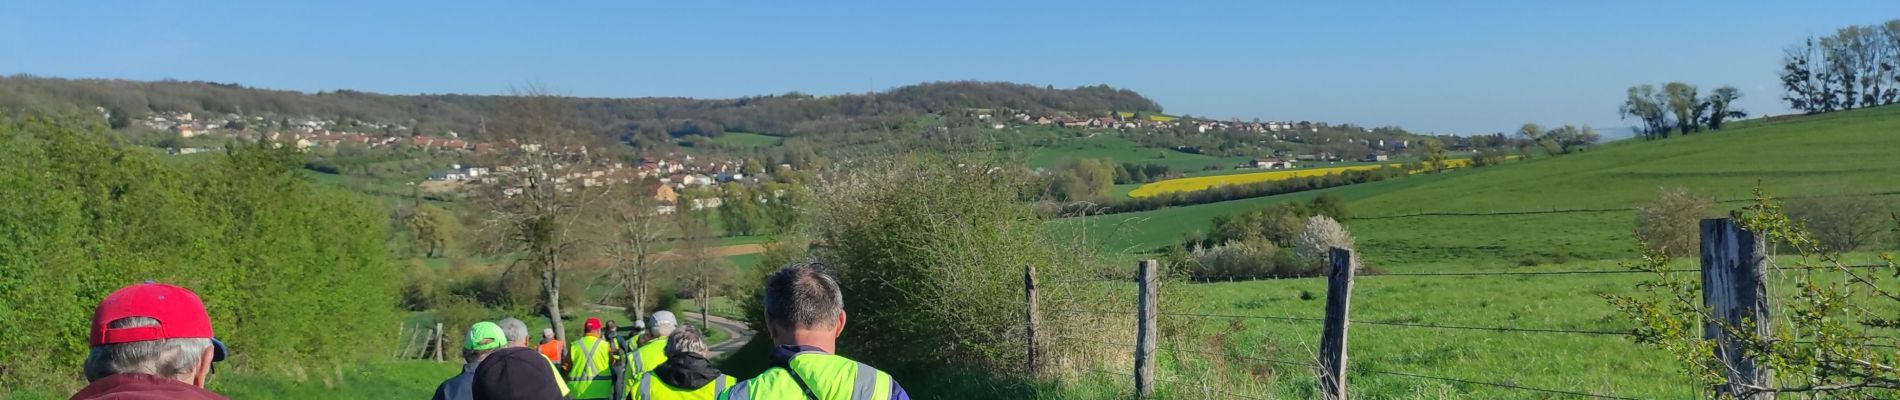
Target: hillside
(1594, 192)
(621, 118)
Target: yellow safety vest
(653, 389)
(647, 357)
(592, 372)
(830, 377)
(557, 377)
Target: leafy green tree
(1649, 107)
(1721, 108)
(1682, 100)
(433, 229)
(1435, 155)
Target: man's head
(686, 340)
(483, 338)
(547, 335)
(515, 331)
(661, 323)
(612, 329)
(592, 326)
(803, 305)
(153, 329)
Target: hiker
(516, 373)
(483, 338)
(517, 334)
(687, 374)
(652, 352)
(550, 346)
(804, 312)
(588, 363)
(617, 366)
(150, 341)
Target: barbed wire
(1573, 210)
(1491, 328)
(1405, 324)
(1262, 317)
(1494, 384)
(1477, 273)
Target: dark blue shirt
(461, 387)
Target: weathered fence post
(1033, 318)
(1332, 340)
(1735, 294)
(1146, 281)
(439, 336)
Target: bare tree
(538, 206)
(640, 229)
(700, 271)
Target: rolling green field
(1850, 151)
(1111, 146)
(747, 139)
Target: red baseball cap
(592, 324)
(180, 315)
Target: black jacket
(688, 371)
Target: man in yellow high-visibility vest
(589, 363)
(804, 312)
(650, 355)
(687, 373)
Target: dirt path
(721, 251)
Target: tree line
(649, 120)
(1678, 108)
(1853, 67)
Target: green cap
(484, 336)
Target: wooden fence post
(1146, 280)
(439, 336)
(1033, 318)
(1332, 340)
(1735, 293)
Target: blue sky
(1437, 66)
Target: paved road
(738, 333)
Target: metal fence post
(1145, 333)
(1332, 341)
(1736, 295)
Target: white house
(1273, 163)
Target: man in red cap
(589, 364)
(151, 341)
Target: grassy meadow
(1843, 152)
(1111, 146)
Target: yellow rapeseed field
(1205, 182)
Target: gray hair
(803, 295)
(513, 330)
(686, 339)
(171, 358)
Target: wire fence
(1320, 365)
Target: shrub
(930, 255)
(1841, 221)
(282, 264)
(1671, 223)
(1319, 237)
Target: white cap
(661, 318)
